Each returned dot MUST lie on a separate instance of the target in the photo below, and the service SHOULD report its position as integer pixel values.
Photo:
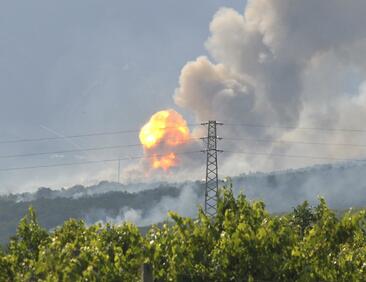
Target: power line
(118, 132)
(105, 133)
(74, 150)
(296, 142)
(295, 127)
(26, 140)
(90, 162)
(141, 157)
(294, 156)
(67, 151)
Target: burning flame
(165, 162)
(160, 135)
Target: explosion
(161, 135)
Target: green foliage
(303, 217)
(77, 252)
(24, 247)
(242, 243)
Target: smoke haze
(186, 204)
(76, 67)
(284, 64)
(288, 64)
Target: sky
(74, 67)
(294, 69)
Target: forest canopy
(243, 242)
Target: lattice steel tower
(212, 181)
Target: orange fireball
(165, 162)
(163, 133)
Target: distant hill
(92, 205)
(342, 185)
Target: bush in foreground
(243, 243)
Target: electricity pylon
(212, 181)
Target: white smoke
(185, 204)
(283, 63)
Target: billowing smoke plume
(289, 64)
(186, 204)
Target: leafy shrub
(242, 243)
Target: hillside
(144, 204)
(143, 208)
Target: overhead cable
(295, 127)
(295, 142)
(105, 133)
(90, 162)
(294, 156)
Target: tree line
(244, 242)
